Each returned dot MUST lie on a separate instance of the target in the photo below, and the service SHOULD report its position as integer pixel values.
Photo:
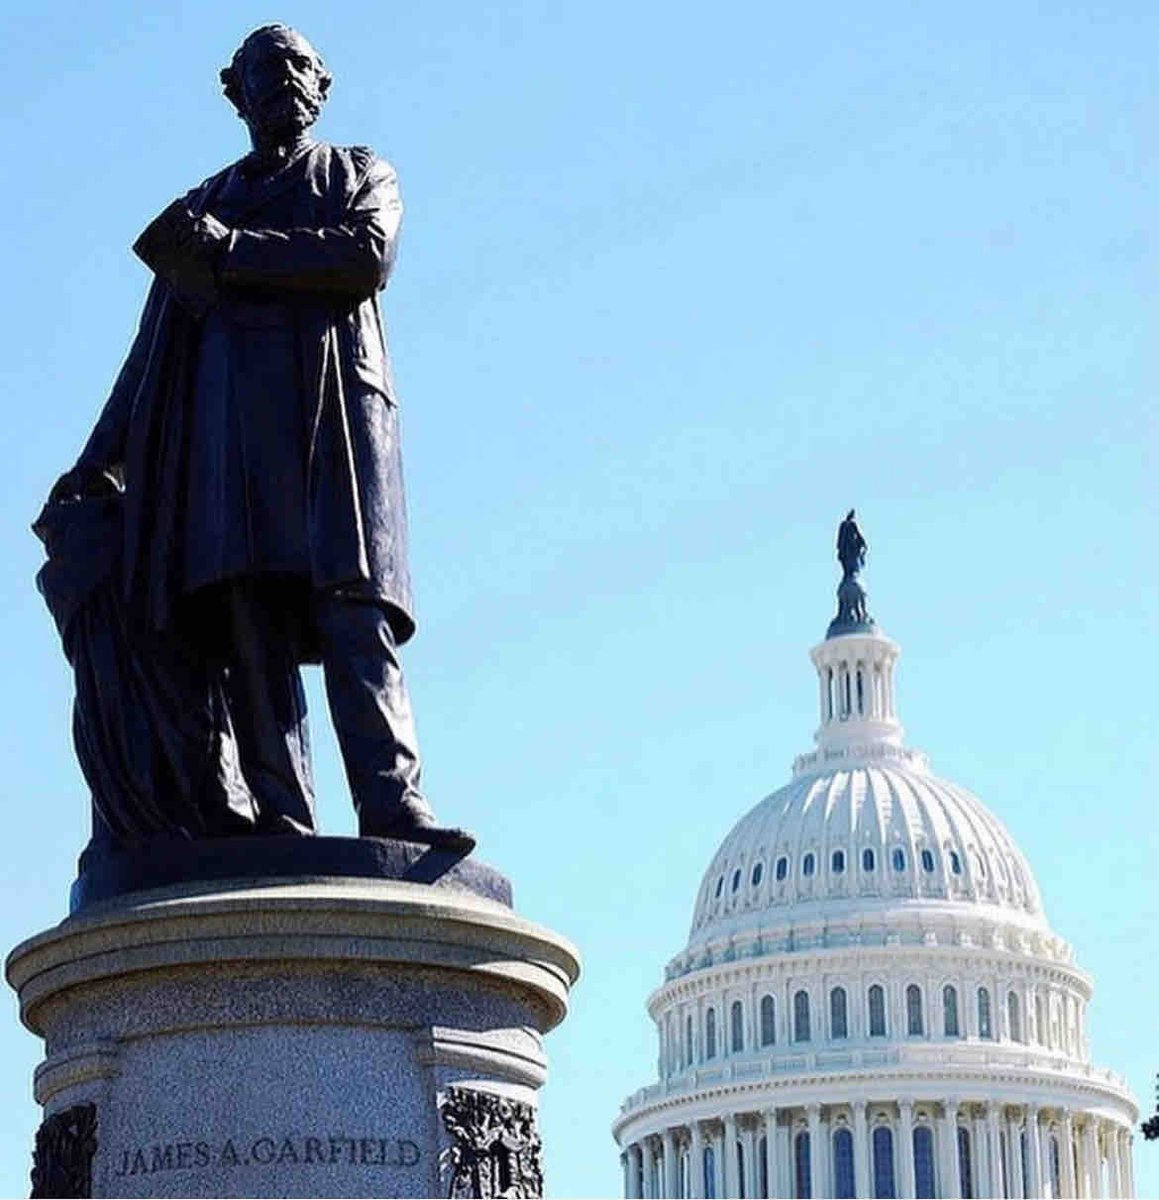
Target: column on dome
(813, 1114)
(1033, 1150)
(731, 1182)
(770, 1121)
(1066, 1154)
(671, 1166)
(650, 1162)
(785, 1157)
(1014, 1155)
(634, 1191)
(948, 1146)
(1125, 1138)
(1092, 1176)
(863, 1176)
(981, 1153)
(719, 1162)
(994, 1150)
(752, 1173)
(696, 1155)
(903, 1155)
(1114, 1178)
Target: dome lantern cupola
(855, 665)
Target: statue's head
(851, 515)
(276, 81)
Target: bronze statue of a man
(254, 431)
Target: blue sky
(679, 285)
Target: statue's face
(281, 81)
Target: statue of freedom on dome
(852, 602)
(238, 509)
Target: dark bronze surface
(63, 1158)
(238, 509)
(852, 601)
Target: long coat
(261, 438)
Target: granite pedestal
(293, 1035)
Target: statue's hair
(231, 83)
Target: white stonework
(871, 1001)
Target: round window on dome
(899, 859)
(808, 864)
(955, 862)
(838, 862)
(758, 873)
(719, 886)
(928, 861)
(736, 879)
(868, 860)
(782, 868)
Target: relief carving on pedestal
(63, 1158)
(495, 1148)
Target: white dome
(839, 838)
(871, 1001)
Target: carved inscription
(267, 1151)
(495, 1148)
(63, 1158)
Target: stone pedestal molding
(308, 1038)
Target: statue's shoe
(426, 832)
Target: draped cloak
(260, 439)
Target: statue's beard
(286, 112)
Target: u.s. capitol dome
(871, 1001)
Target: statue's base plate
(170, 862)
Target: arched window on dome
(768, 1021)
(868, 860)
(928, 861)
(736, 1026)
(710, 1033)
(1014, 1013)
(877, 1011)
(710, 1172)
(828, 693)
(899, 859)
(955, 862)
(801, 1031)
(782, 868)
(884, 1184)
(801, 1166)
(860, 693)
(758, 872)
(837, 862)
(838, 1014)
(965, 1163)
(924, 1163)
(844, 1187)
(985, 1024)
(950, 1023)
(913, 1011)
(719, 887)
(808, 864)
(1055, 1166)
(736, 879)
